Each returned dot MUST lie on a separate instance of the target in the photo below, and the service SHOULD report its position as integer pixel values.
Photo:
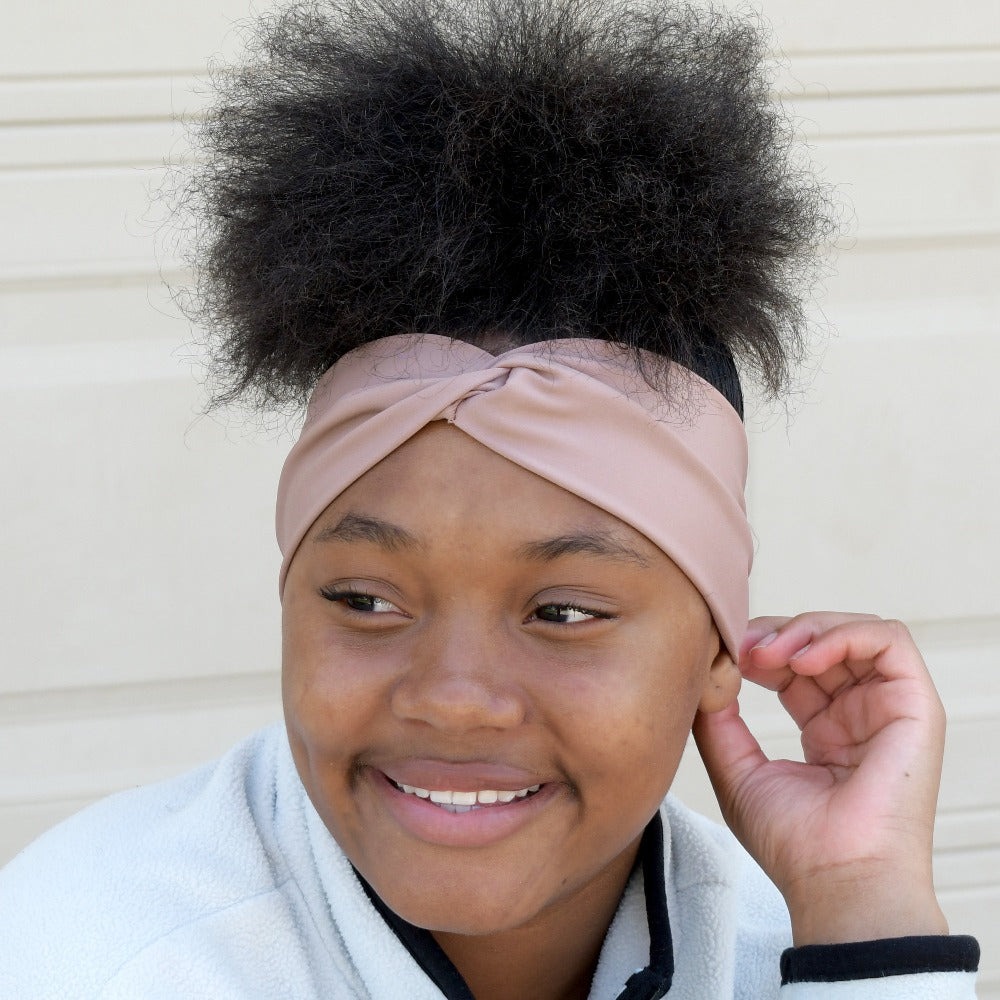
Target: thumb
(729, 750)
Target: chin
(473, 912)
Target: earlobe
(722, 685)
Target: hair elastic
(576, 412)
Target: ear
(722, 684)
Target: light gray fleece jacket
(224, 884)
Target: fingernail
(803, 650)
(767, 640)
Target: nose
(460, 679)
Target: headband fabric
(576, 412)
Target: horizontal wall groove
(987, 810)
(781, 58)
(165, 73)
(812, 94)
(791, 54)
(984, 137)
(968, 850)
(67, 804)
(70, 274)
(917, 242)
(85, 171)
(888, 239)
(92, 121)
(79, 166)
(982, 892)
(25, 708)
(90, 274)
(889, 135)
(166, 95)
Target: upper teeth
(485, 796)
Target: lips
(457, 776)
(462, 801)
(459, 804)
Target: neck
(551, 958)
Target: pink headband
(575, 412)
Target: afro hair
(505, 172)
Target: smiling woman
(472, 665)
(515, 254)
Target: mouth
(466, 801)
(475, 814)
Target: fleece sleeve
(909, 968)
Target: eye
(367, 604)
(565, 614)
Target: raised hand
(846, 835)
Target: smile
(460, 802)
(472, 815)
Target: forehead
(442, 483)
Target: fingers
(760, 628)
(772, 643)
(813, 658)
(862, 646)
(768, 655)
(783, 637)
(863, 798)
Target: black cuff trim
(833, 963)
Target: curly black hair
(503, 171)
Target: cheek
(330, 711)
(636, 717)
(330, 694)
(629, 720)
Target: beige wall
(141, 621)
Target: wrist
(863, 909)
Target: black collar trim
(654, 981)
(650, 983)
(426, 952)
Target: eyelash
(590, 612)
(345, 596)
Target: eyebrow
(393, 538)
(594, 543)
(362, 528)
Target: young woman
(514, 253)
